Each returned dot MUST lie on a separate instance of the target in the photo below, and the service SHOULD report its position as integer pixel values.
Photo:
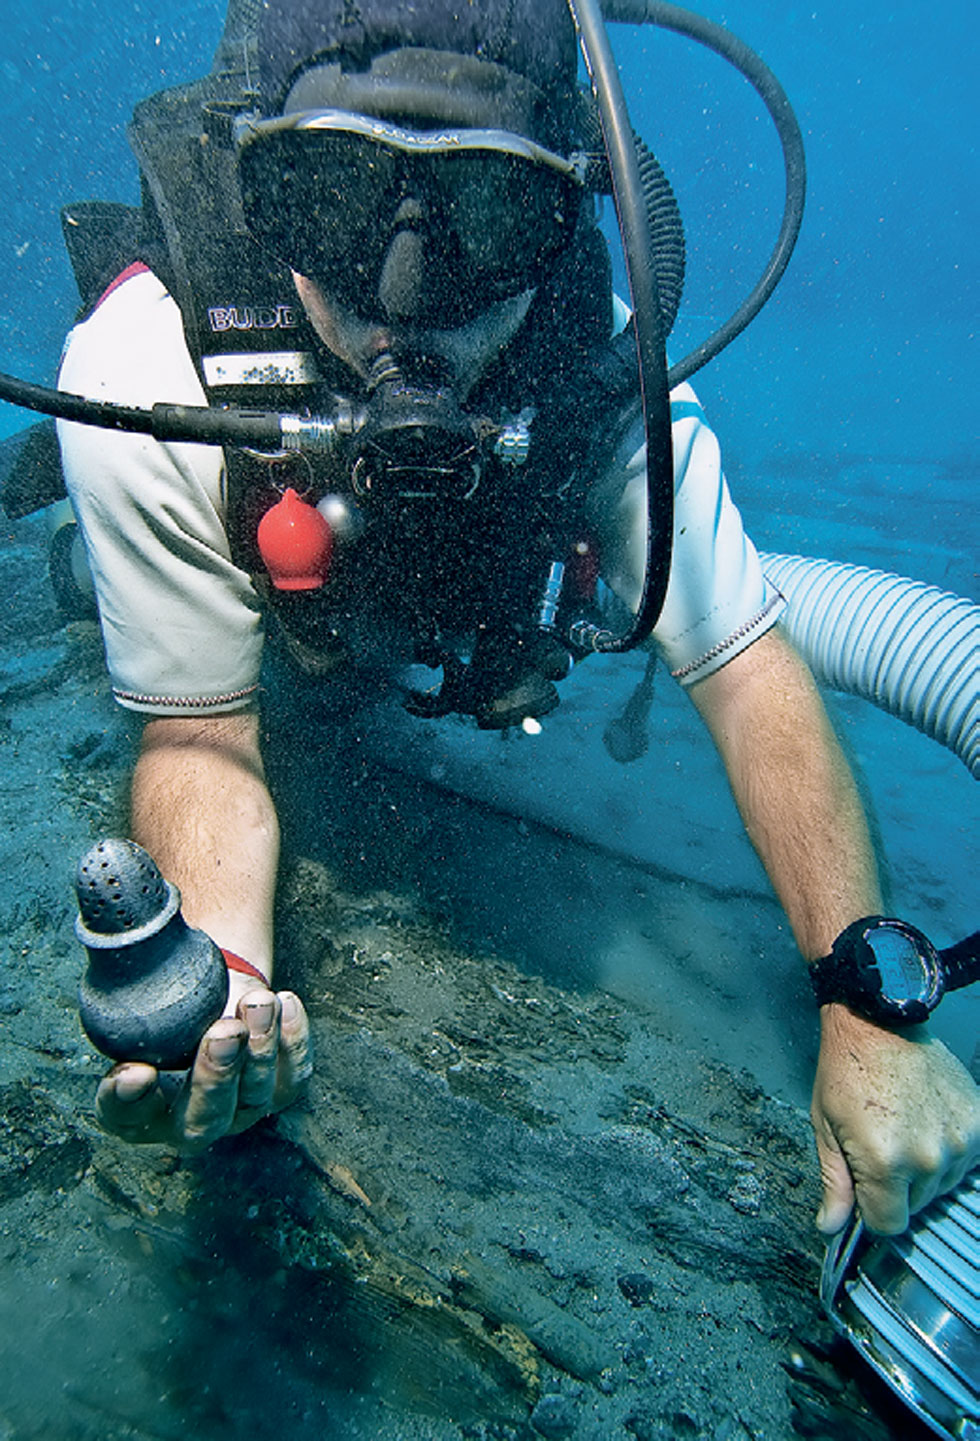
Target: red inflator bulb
(295, 543)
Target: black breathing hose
(648, 326)
(760, 77)
(202, 424)
(628, 193)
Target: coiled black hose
(663, 214)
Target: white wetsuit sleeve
(181, 623)
(718, 599)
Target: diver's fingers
(246, 1067)
(884, 1203)
(945, 1176)
(291, 1069)
(838, 1184)
(132, 1103)
(259, 1009)
(209, 1101)
(295, 1049)
(921, 1164)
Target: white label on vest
(266, 367)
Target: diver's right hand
(896, 1118)
(247, 1066)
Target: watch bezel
(917, 1008)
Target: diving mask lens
(323, 197)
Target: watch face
(908, 973)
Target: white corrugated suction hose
(910, 648)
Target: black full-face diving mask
(420, 199)
(330, 192)
(434, 147)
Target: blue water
(866, 347)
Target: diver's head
(412, 166)
(527, 50)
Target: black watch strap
(961, 962)
(828, 977)
(845, 975)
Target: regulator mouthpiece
(153, 985)
(416, 443)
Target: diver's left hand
(896, 1118)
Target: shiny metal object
(551, 597)
(320, 433)
(514, 441)
(910, 1304)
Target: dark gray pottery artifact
(153, 985)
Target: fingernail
(290, 1006)
(259, 1017)
(224, 1049)
(131, 1085)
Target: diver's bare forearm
(793, 788)
(201, 807)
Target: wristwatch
(891, 973)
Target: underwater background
(845, 411)
(866, 349)
(847, 418)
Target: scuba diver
(385, 215)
